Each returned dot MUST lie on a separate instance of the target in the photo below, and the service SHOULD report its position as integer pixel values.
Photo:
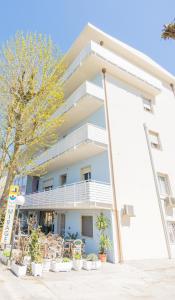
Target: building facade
(115, 152)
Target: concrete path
(141, 280)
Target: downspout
(118, 232)
(158, 193)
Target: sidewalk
(134, 280)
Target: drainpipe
(118, 232)
(158, 193)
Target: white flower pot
(37, 269)
(18, 270)
(4, 259)
(61, 266)
(91, 265)
(77, 264)
(46, 265)
(27, 260)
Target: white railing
(84, 194)
(114, 59)
(85, 133)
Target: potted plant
(35, 252)
(18, 267)
(104, 245)
(91, 262)
(5, 256)
(61, 265)
(102, 224)
(77, 262)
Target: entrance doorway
(46, 221)
(61, 223)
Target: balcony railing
(87, 133)
(85, 194)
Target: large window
(86, 173)
(164, 186)
(87, 226)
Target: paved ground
(143, 280)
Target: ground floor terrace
(136, 280)
(71, 224)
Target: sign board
(10, 213)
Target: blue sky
(136, 22)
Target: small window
(155, 140)
(86, 173)
(63, 179)
(171, 232)
(48, 188)
(147, 104)
(87, 226)
(48, 184)
(164, 186)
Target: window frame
(158, 145)
(151, 110)
(86, 170)
(61, 177)
(167, 182)
(83, 235)
(171, 230)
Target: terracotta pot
(102, 257)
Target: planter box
(77, 264)
(18, 270)
(91, 265)
(37, 269)
(61, 266)
(46, 265)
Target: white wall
(143, 237)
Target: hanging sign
(10, 213)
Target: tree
(31, 90)
(168, 31)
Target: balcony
(82, 103)
(85, 194)
(82, 143)
(91, 60)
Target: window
(147, 104)
(48, 184)
(154, 140)
(87, 226)
(86, 173)
(164, 186)
(171, 232)
(63, 179)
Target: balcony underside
(85, 101)
(80, 152)
(85, 70)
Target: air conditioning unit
(128, 211)
(170, 201)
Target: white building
(116, 151)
